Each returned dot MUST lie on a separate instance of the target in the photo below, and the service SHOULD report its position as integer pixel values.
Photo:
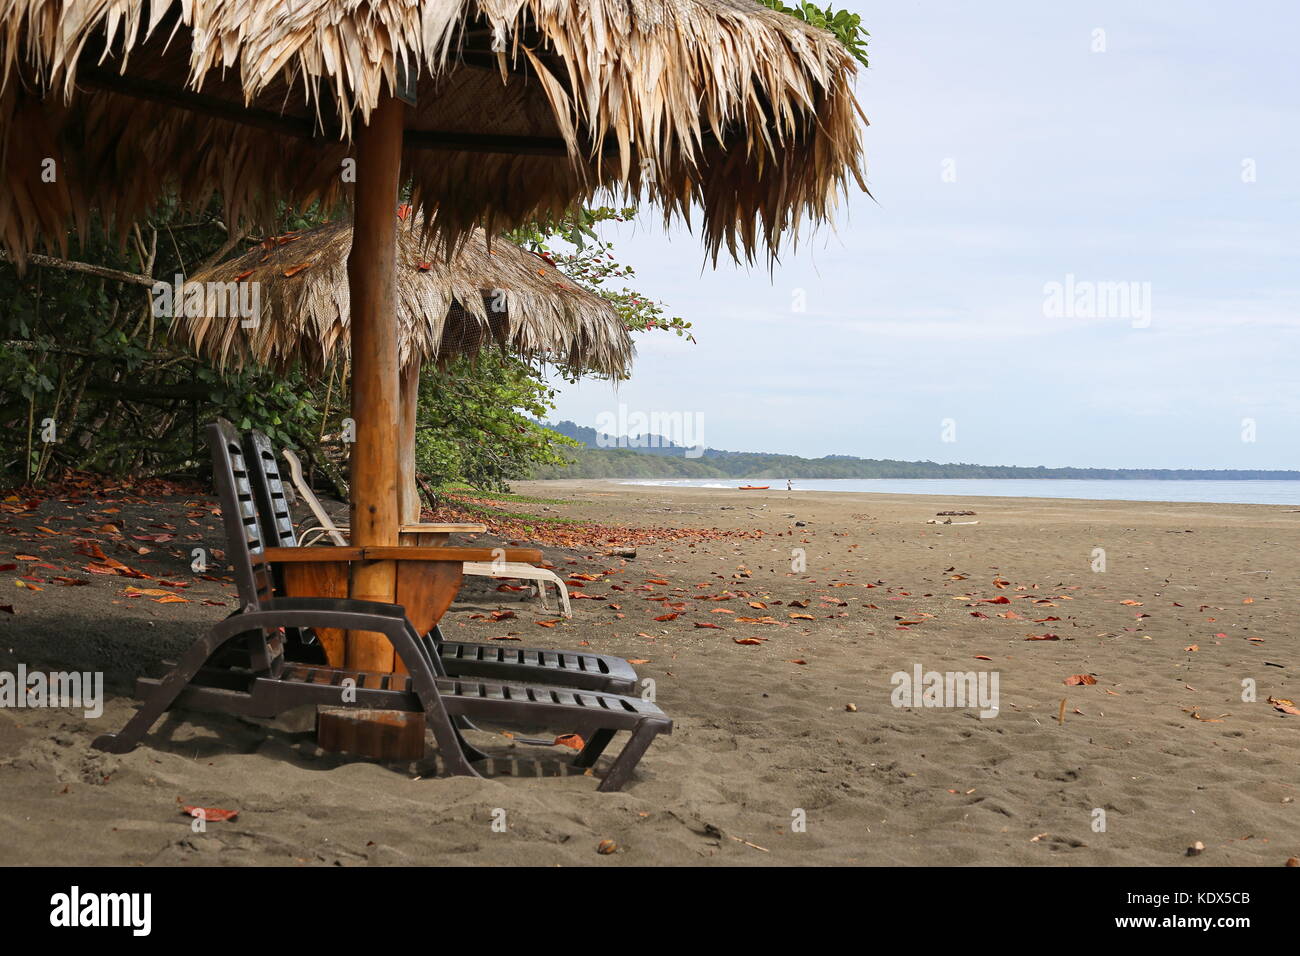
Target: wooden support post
(407, 490)
(375, 400)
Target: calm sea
(1227, 492)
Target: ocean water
(1263, 492)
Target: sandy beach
(788, 747)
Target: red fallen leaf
(172, 599)
(423, 266)
(1043, 637)
(979, 614)
(758, 605)
(573, 741)
(1285, 705)
(1077, 680)
(212, 603)
(1248, 601)
(638, 660)
(1044, 620)
(512, 587)
(210, 814)
(748, 640)
(655, 581)
(1000, 599)
(797, 660)
(403, 211)
(292, 271)
(1192, 647)
(243, 275)
(1011, 616)
(70, 582)
(666, 617)
(8, 567)
(708, 624)
(798, 604)
(981, 657)
(25, 557)
(89, 548)
(549, 623)
(1131, 603)
(502, 615)
(809, 617)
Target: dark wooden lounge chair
(495, 662)
(239, 666)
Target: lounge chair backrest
(268, 486)
(244, 537)
(306, 494)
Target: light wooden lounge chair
(239, 666)
(326, 528)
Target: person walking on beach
(789, 485)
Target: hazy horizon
(1012, 149)
(935, 461)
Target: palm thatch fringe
(722, 106)
(500, 295)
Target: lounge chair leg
(424, 665)
(645, 732)
(472, 753)
(177, 679)
(594, 747)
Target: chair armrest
(520, 555)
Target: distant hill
(604, 456)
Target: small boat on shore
(753, 487)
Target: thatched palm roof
(486, 295)
(523, 108)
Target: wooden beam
(306, 128)
(372, 289)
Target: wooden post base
(377, 734)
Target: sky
(1016, 153)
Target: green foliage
(589, 261)
(477, 422)
(87, 354)
(847, 27)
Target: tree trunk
(408, 491)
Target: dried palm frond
(523, 108)
(502, 296)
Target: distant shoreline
(1265, 492)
